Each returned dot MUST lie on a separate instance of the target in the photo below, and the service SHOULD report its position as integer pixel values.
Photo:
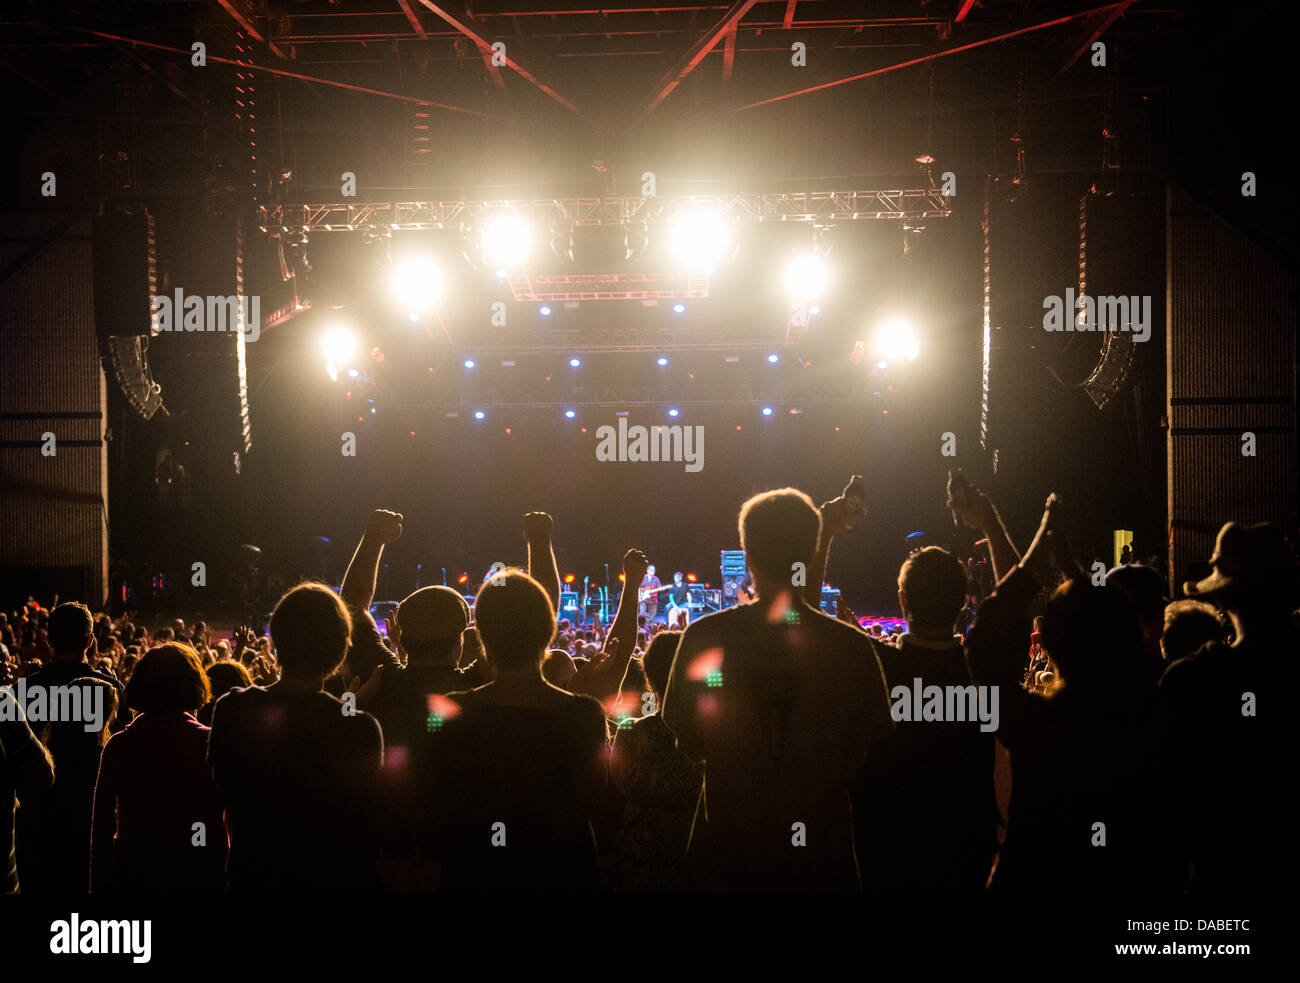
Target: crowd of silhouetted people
(766, 748)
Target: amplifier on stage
(569, 606)
(733, 575)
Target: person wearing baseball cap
(428, 628)
(1229, 707)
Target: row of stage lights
(895, 341)
(701, 242)
(571, 414)
(662, 361)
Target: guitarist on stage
(648, 595)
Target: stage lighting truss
(608, 286)
(637, 215)
(562, 242)
(633, 396)
(818, 207)
(636, 239)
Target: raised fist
(538, 525)
(635, 565)
(383, 526)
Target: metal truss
(609, 286)
(820, 207)
(631, 396)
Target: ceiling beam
(283, 72)
(242, 12)
(788, 21)
(1091, 32)
(696, 52)
(966, 6)
(728, 55)
(1055, 22)
(476, 33)
(414, 18)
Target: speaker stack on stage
(733, 575)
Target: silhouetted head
(1188, 625)
(658, 659)
(310, 629)
(1092, 634)
(223, 676)
(70, 629)
(169, 679)
(931, 589)
(777, 530)
(515, 619)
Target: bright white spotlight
(479, 414)
(575, 362)
(805, 277)
(700, 240)
(773, 358)
(673, 411)
(662, 361)
(544, 310)
(469, 363)
(339, 345)
(569, 414)
(679, 308)
(895, 341)
(767, 411)
(416, 284)
(505, 241)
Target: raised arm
(983, 516)
(837, 517)
(994, 647)
(382, 528)
(541, 554)
(602, 677)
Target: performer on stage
(679, 608)
(648, 595)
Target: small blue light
(479, 415)
(673, 411)
(882, 365)
(679, 308)
(545, 310)
(373, 410)
(353, 373)
(774, 358)
(662, 361)
(469, 363)
(767, 411)
(574, 362)
(570, 414)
